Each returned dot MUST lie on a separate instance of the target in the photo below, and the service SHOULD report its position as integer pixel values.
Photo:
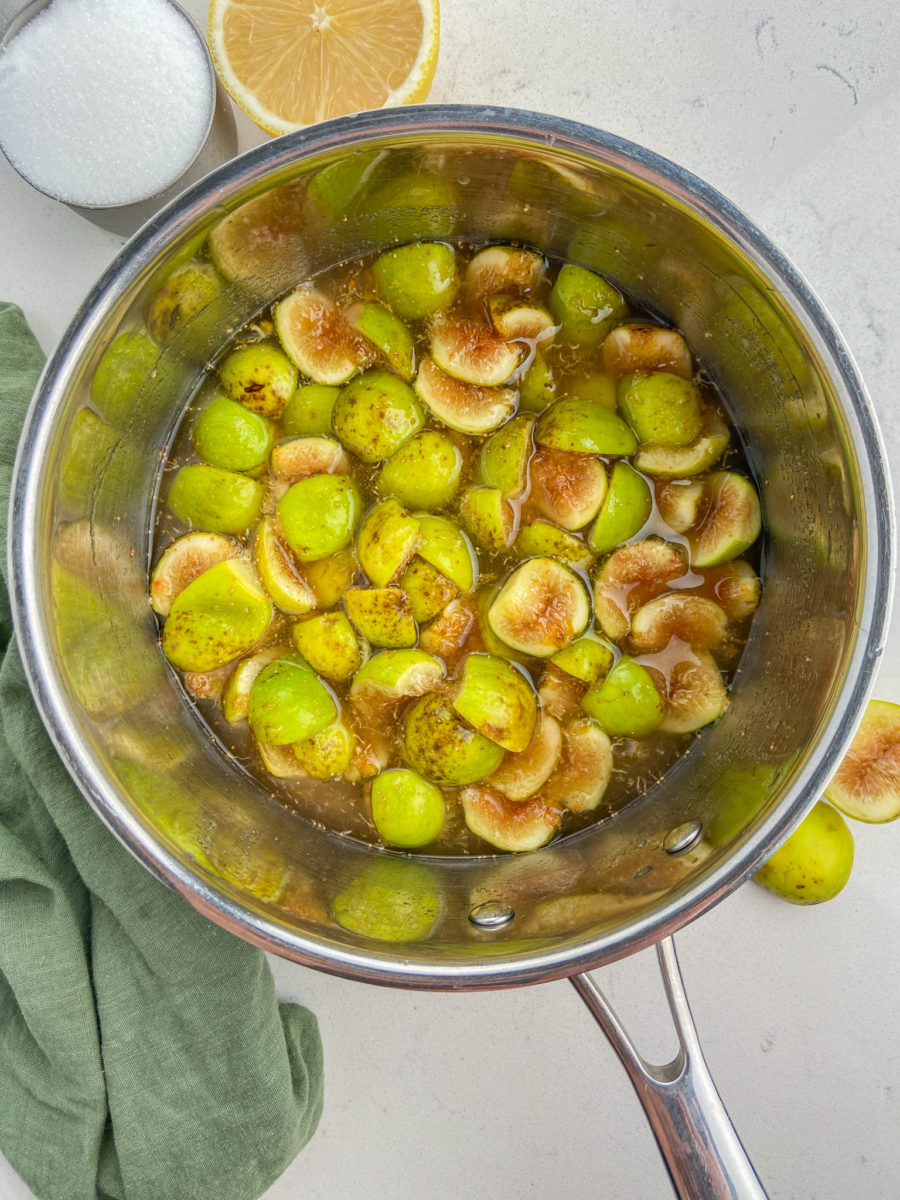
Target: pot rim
(526, 129)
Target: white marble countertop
(793, 112)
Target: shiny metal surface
(136, 749)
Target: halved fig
(560, 693)
(625, 509)
(540, 538)
(584, 427)
(662, 409)
(442, 748)
(696, 456)
(541, 607)
(469, 349)
(407, 810)
(678, 502)
(866, 786)
(695, 693)
(588, 658)
(236, 693)
(210, 498)
(319, 515)
(261, 377)
(424, 472)
(393, 675)
(417, 280)
(699, 622)
(585, 305)
(513, 825)
(446, 547)
(497, 700)
(537, 386)
(383, 616)
(371, 754)
(329, 645)
(627, 702)
(386, 541)
(387, 333)
(465, 407)
(288, 702)
(488, 517)
(375, 414)
(449, 632)
(728, 521)
(428, 589)
(279, 573)
(584, 768)
(815, 862)
(182, 561)
(568, 488)
(630, 577)
(736, 588)
(316, 338)
(330, 577)
(298, 457)
(502, 269)
(517, 320)
(218, 617)
(638, 347)
(504, 457)
(520, 775)
(326, 754)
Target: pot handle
(702, 1152)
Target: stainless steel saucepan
(80, 544)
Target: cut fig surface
(182, 561)
(465, 407)
(509, 825)
(472, 351)
(728, 520)
(566, 487)
(699, 622)
(541, 607)
(866, 786)
(497, 700)
(523, 773)
(632, 576)
(316, 337)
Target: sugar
(104, 102)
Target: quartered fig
(695, 693)
(308, 411)
(391, 901)
(568, 488)
(329, 645)
(728, 520)
(319, 515)
(230, 436)
(543, 539)
(446, 547)
(326, 754)
(678, 461)
(279, 573)
(518, 320)
(541, 607)
(444, 749)
(449, 632)
(417, 280)
(316, 338)
(424, 472)
(537, 387)
(500, 270)
(407, 810)
(678, 502)
(497, 700)
(298, 457)
(736, 588)
(386, 541)
(488, 517)
(588, 658)
(510, 825)
(584, 305)
(261, 377)
(522, 774)
(387, 333)
(393, 675)
(210, 498)
(465, 407)
(288, 702)
(866, 786)
(280, 761)
(626, 702)
(699, 622)
(470, 350)
(584, 427)
(504, 457)
(584, 768)
(218, 617)
(560, 693)
(375, 414)
(330, 577)
(814, 863)
(383, 616)
(428, 590)
(182, 561)
(625, 510)
(640, 347)
(236, 693)
(662, 408)
(630, 577)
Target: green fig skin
(424, 472)
(216, 500)
(375, 414)
(443, 749)
(417, 280)
(626, 702)
(815, 862)
(261, 377)
(230, 436)
(288, 702)
(407, 810)
(319, 515)
(308, 412)
(585, 306)
(218, 617)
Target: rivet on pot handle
(702, 1152)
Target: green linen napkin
(142, 1053)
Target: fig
(728, 521)
(236, 693)
(447, 548)
(299, 457)
(661, 408)
(497, 700)
(387, 333)
(695, 693)
(504, 457)
(375, 414)
(316, 338)
(568, 488)
(521, 774)
(470, 350)
(218, 617)
(584, 427)
(596, 386)
(429, 590)
(678, 502)
(386, 542)
(488, 517)
(308, 412)
(417, 280)
(541, 607)
(382, 615)
(588, 658)
(696, 456)
(328, 753)
(371, 754)
(446, 634)
(541, 539)
(261, 377)
(515, 320)
(407, 810)
(736, 587)
(424, 472)
(500, 270)
(815, 862)
(866, 786)
(584, 768)
(625, 510)
(537, 387)
(230, 436)
(630, 577)
(393, 901)
(182, 561)
(627, 702)
(699, 622)
(560, 693)
(638, 347)
(255, 240)
(465, 407)
(181, 309)
(334, 188)
(280, 761)
(329, 645)
(97, 467)
(288, 702)
(508, 824)
(442, 748)
(330, 577)
(393, 675)
(584, 305)
(319, 515)
(205, 685)
(279, 573)
(121, 374)
(413, 205)
(210, 498)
